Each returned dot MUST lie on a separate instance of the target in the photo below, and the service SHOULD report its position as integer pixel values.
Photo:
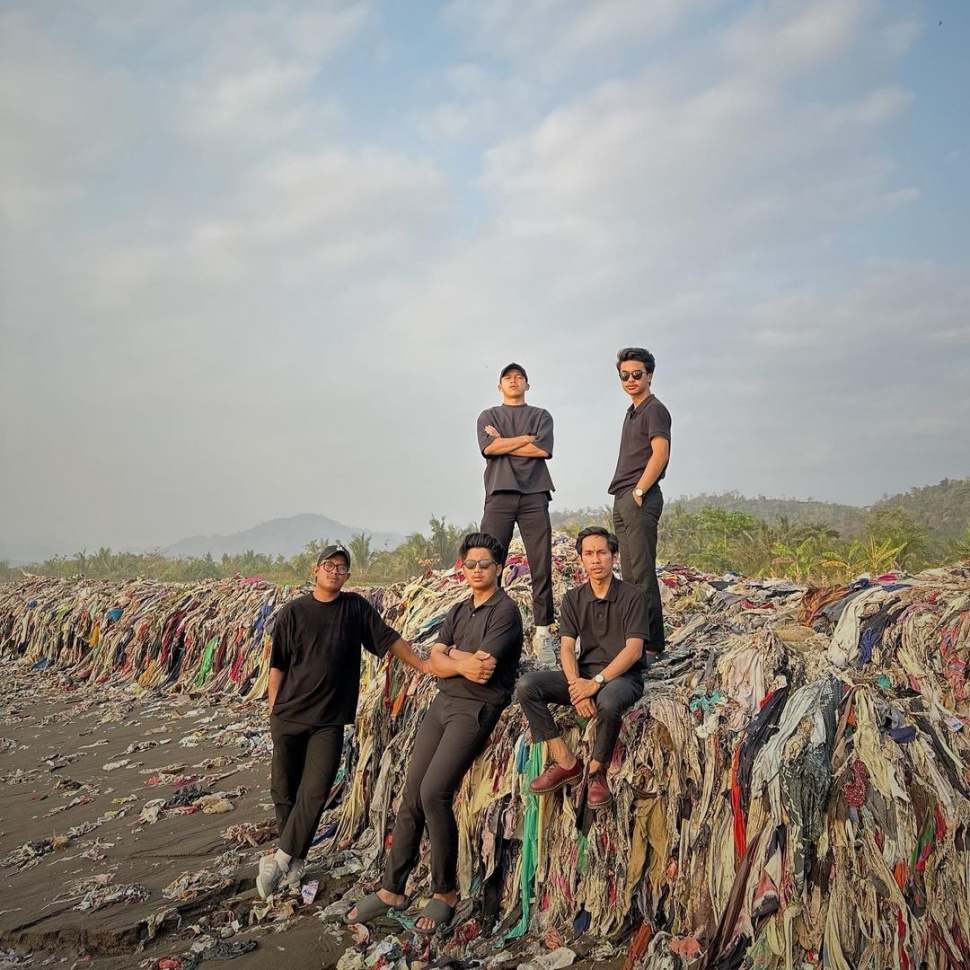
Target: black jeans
(537, 689)
(453, 733)
(305, 763)
(636, 528)
(502, 511)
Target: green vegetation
(417, 554)
(809, 542)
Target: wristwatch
(639, 492)
(600, 679)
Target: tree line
(712, 540)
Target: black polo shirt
(318, 645)
(604, 625)
(496, 628)
(640, 426)
(512, 473)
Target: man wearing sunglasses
(637, 498)
(516, 440)
(314, 681)
(475, 658)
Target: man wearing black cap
(314, 681)
(516, 440)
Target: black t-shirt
(604, 625)
(640, 426)
(512, 473)
(318, 646)
(496, 628)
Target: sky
(269, 257)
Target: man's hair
(636, 353)
(482, 540)
(598, 530)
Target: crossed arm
(522, 446)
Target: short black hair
(636, 353)
(598, 530)
(482, 540)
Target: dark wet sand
(56, 738)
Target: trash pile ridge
(793, 789)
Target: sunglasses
(335, 567)
(631, 375)
(471, 564)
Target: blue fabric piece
(42, 663)
(115, 614)
(903, 735)
(867, 643)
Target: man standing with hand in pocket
(637, 499)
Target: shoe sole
(598, 805)
(566, 781)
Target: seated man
(608, 617)
(476, 659)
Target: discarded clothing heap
(794, 786)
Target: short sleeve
(446, 634)
(544, 432)
(484, 438)
(281, 653)
(569, 616)
(376, 636)
(634, 616)
(658, 422)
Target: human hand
(492, 431)
(585, 708)
(581, 688)
(478, 668)
(637, 498)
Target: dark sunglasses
(471, 564)
(636, 375)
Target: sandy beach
(85, 870)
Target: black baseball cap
(514, 366)
(334, 550)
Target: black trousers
(305, 763)
(502, 511)
(536, 690)
(636, 528)
(453, 733)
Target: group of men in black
(610, 629)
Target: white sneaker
(294, 874)
(270, 874)
(544, 645)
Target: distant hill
(944, 509)
(278, 537)
(847, 519)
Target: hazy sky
(268, 257)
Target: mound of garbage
(793, 789)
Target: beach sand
(60, 748)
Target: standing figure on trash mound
(607, 617)
(314, 682)
(516, 440)
(637, 499)
(476, 658)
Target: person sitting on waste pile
(607, 617)
(314, 682)
(476, 659)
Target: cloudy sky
(268, 257)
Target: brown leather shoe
(598, 793)
(555, 776)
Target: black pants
(453, 733)
(305, 763)
(502, 511)
(537, 689)
(636, 528)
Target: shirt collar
(488, 604)
(590, 597)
